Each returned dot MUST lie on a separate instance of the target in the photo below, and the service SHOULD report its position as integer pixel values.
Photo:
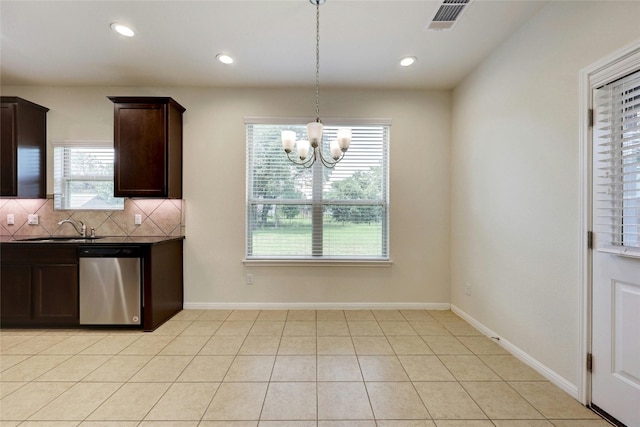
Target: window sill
(316, 263)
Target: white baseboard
(315, 306)
(551, 375)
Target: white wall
(214, 188)
(515, 178)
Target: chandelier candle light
(337, 146)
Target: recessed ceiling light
(122, 29)
(408, 60)
(224, 58)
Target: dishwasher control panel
(110, 251)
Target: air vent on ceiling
(447, 14)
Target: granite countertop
(76, 240)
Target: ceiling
(272, 41)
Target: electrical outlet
(249, 279)
(137, 219)
(10, 219)
(33, 219)
(467, 289)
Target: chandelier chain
(318, 61)
(338, 147)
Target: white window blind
(83, 176)
(318, 213)
(617, 166)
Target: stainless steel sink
(62, 239)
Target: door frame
(607, 69)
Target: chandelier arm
(330, 164)
(307, 163)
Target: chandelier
(338, 147)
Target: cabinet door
(23, 140)
(31, 133)
(55, 288)
(8, 151)
(140, 142)
(15, 293)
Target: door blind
(617, 166)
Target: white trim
(601, 72)
(315, 263)
(615, 66)
(332, 121)
(623, 251)
(523, 356)
(584, 223)
(82, 143)
(315, 306)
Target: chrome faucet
(78, 225)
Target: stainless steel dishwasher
(110, 285)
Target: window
(617, 168)
(318, 213)
(83, 176)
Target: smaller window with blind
(317, 213)
(83, 176)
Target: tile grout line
(407, 374)
(171, 384)
(115, 390)
(378, 321)
(128, 381)
(235, 356)
(317, 376)
(456, 378)
(266, 392)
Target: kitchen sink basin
(72, 239)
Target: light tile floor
(359, 368)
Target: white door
(615, 379)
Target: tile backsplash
(160, 217)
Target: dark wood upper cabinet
(148, 147)
(23, 148)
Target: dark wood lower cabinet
(162, 277)
(55, 294)
(39, 285)
(15, 294)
